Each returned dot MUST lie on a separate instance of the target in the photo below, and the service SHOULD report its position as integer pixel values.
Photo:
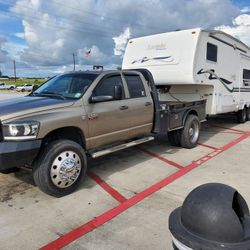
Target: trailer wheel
(174, 138)
(191, 132)
(60, 168)
(248, 114)
(242, 115)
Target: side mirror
(104, 98)
(118, 92)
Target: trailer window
(135, 86)
(212, 52)
(246, 77)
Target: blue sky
(42, 35)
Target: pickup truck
(4, 86)
(89, 114)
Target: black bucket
(213, 217)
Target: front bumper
(18, 153)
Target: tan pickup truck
(88, 114)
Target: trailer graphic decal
(159, 58)
(213, 76)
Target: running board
(121, 146)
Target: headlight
(23, 130)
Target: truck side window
(212, 52)
(106, 87)
(135, 86)
(246, 77)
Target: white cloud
(15, 50)
(121, 42)
(20, 35)
(240, 28)
(4, 55)
(53, 30)
(246, 9)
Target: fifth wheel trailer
(196, 64)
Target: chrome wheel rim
(65, 169)
(193, 132)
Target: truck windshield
(71, 86)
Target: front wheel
(60, 168)
(190, 134)
(9, 170)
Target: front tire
(190, 134)
(60, 168)
(9, 170)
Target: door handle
(124, 107)
(148, 103)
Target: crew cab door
(141, 104)
(108, 120)
(118, 120)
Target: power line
(74, 19)
(80, 11)
(92, 30)
(89, 31)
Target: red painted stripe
(160, 158)
(234, 142)
(207, 146)
(110, 214)
(114, 193)
(231, 129)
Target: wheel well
(190, 112)
(70, 133)
(193, 112)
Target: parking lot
(125, 201)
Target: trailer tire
(60, 168)
(248, 114)
(190, 134)
(174, 138)
(242, 115)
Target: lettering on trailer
(159, 58)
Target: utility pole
(14, 64)
(74, 61)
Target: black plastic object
(213, 217)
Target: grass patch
(24, 81)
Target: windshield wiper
(48, 94)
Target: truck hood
(22, 106)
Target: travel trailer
(196, 64)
